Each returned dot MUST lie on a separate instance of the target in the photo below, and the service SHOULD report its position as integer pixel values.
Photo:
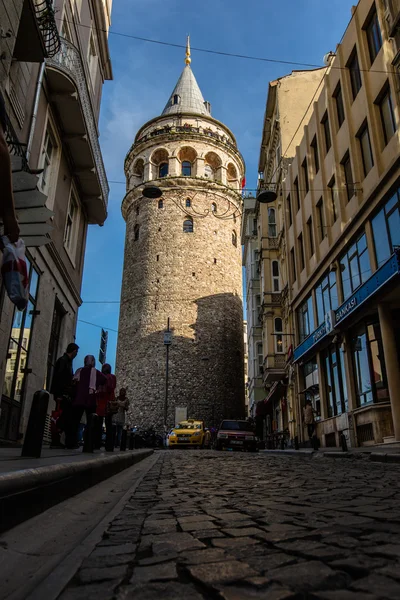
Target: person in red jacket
(105, 396)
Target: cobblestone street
(204, 524)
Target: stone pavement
(233, 526)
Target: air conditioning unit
(333, 267)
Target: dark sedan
(236, 435)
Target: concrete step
(26, 492)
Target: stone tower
(183, 263)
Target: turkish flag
(243, 182)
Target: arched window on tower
(234, 238)
(275, 275)
(161, 204)
(271, 223)
(136, 233)
(209, 172)
(186, 168)
(177, 99)
(188, 203)
(278, 335)
(163, 170)
(213, 207)
(188, 225)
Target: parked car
(190, 433)
(236, 435)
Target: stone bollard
(88, 438)
(131, 440)
(122, 445)
(37, 419)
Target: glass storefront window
(369, 363)
(355, 267)
(335, 381)
(386, 229)
(311, 384)
(326, 295)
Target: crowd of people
(86, 401)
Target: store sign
(330, 321)
(321, 331)
(167, 338)
(344, 310)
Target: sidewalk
(378, 453)
(29, 486)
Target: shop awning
(275, 391)
(312, 389)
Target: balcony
(274, 367)
(70, 95)
(37, 36)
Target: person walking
(119, 417)
(87, 381)
(105, 395)
(62, 390)
(309, 421)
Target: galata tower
(182, 265)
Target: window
(188, 203)
(354, 266)
(260, 358)
(305, 319)
(387, 115)
(278, 334)
(65, 28)
(214, 208)
(71, 225)
(386, 228)
(54, 343)
(19, 343)
(369, 364)
(339, 104)
(301, 251)
(188, 225)
(271, 223)
(160, 204)
(48, 160)
(163, 170)
(373, 34)
(310, 236)
(366, 150)
(289, 207)
(314, 146)
(177, 99)
(335, 381)
(275, 276)
(258, 315)
(136, 233)
(326, 296)
(296, 193)
(186, 168)
(333, 199)
(348, 176)
(293, 264)
(305, 175)
(321, 219)
(327, 132)
(234, 238)
(92, 57)
(208, 172)
(355, 75)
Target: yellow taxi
(190, 433)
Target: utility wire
(327, 189)
(220, 52)
(99, 326)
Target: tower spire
(188, 60)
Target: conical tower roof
(187, 96)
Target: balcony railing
(69, 61)
(44, 13)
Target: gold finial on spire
(188, 60)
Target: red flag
(243, 182)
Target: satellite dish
(328, 57)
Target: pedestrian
(7, 207)
(105, 394)
(119, 417)
(87, 382)
(62, 390)
(308, 418)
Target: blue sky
(144, 77)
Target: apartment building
(55, 59)
(288, 102)
(342, 223)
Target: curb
(26, 493)
(290, 451)
(383, 457)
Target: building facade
(183, 266)
(55, 60)
(246, 370)
(288, 103)
(342, 195)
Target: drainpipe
(35, 110)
